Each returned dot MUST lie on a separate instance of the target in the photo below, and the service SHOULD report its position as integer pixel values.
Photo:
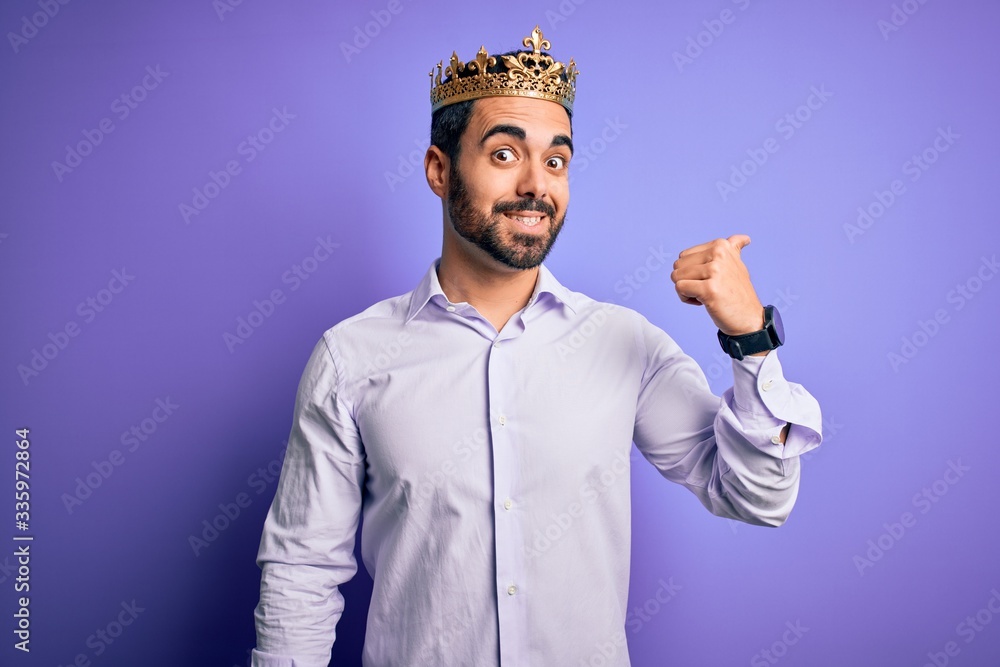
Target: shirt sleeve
(725, 450)
(307, 547)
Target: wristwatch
(768, 338)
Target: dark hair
(448, 123)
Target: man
(482, 423)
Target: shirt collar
(430, 286)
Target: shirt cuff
(764, 400)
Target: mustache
(524, 205)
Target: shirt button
(503, 420)
(767, 385)
(511, 590)
(450, 309)
(776, 439)
(496, 345)
(507, 504)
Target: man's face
(509, 191)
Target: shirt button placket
(502, 383)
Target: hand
(713, 275)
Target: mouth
(527, 219)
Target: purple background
(339, 170)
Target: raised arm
(739, 455)
(727, 451)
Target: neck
(496, 292)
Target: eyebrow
(563, 140)
(519, 133)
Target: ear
(436, 168)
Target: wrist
(758, 342)
(751, 326)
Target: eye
(556, 162)
(504, 155)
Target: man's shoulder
(390, 311)
(595, 314)
(587, 307)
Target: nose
(532, 181)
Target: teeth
(530, 222)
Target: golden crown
(534, 74)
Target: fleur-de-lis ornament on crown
(528, 74)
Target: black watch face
(779, 328)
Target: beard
(521, 251)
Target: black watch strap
(768, 338)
